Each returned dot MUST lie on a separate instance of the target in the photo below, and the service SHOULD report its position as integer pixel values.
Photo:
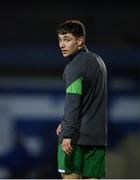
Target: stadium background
(32, 89)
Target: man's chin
(66, 55)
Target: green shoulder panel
(75, 87)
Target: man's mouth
(64, 51)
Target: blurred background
(32, 90)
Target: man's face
(68, 44)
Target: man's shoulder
(74, 66)
(95, 58)
(71, 67)
(92, 55)
(87, 55)
(82, 59)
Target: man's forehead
(65, 35)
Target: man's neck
(83, 48)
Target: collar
(77, 52)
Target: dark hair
(72, 26)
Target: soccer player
(83, 130)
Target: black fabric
(85, 116)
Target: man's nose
(61, 44)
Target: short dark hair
(72, 26)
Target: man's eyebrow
(65, 36)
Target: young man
(82, 132)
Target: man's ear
(81, 40)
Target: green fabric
(87, 161)
(75, 87)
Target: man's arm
(74, 80)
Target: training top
(85, 112)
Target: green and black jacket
(85, 114)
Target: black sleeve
(73, 77)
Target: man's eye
(67, 40)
